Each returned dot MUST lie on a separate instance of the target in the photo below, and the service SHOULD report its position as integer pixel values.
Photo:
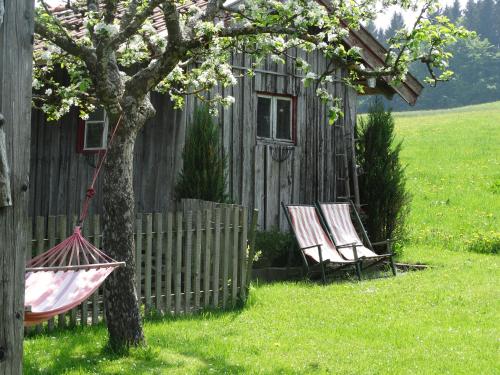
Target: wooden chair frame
(366, 262)
(322, 265)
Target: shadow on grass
(83, 350)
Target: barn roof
(373, 53)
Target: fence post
(51, 236)
(85, 309)
(72, 313)
(243, 252)
(158, 260)
(178, 264)
(225, 255)
(197, 261)
(29, 254)
(40, 245)
(96, 230)
(235, 250)
(187, 264)
(215, 283)
(138, 257)
(148, 265)
(206, 268)
(168, 265)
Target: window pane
(283, 117)
(94, 134)
(264, 117)
(97, 115)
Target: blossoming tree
(115, 58)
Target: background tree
(119, 58)
(475, 62)
(397, 23)
(487, 20)
(471, 15)
(203, 174)
(453, 12)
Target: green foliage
(204, 170)
(383, 182)
(273, 247)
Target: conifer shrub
(382, 181)
(203, 175)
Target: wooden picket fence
(185, 260)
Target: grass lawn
(442, 320)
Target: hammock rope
(67, 274)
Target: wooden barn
(276, 136)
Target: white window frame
(274, 113)
(104, 143)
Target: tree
(119, 58)
(453, 12)
(383, 182)
(397, 23)
(486, 27)
(471, 15)
(496, 25)
(203, 173)
(16, 28)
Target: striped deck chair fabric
(307, 227)
(339, 223)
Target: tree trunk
(121, 305)
(122, 310)
(15, 105)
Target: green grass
(453, 171)
(440, 321)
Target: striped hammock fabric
(308, 230)
(49, 293)
(63, 277)
(339, 223)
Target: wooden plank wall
(178, 258)
(256, 178)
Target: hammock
(66, 275)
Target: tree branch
(65, 42)
(110, 7)
(172, 21)
(133, 21)
(213, 7)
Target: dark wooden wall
(256, 179)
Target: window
(274, 117)
(94, 132)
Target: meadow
(443, 320)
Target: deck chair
(314, 243)
(337, 220)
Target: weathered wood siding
(256, 178)
(16, 49)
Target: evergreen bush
(382, 182)
(273, 247)
(203, 175)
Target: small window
(274, 118)
(95, 133)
